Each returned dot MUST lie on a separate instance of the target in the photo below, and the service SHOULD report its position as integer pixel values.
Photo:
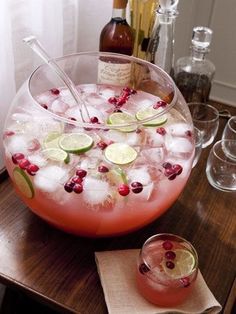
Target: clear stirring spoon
(36, 46)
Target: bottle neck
(198, 54)
(119, 13)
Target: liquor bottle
(116, 36)
(194, 73)
(142, 15)
(160, 49)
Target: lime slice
(51, 140)
(56, 154)
(150, 112)
(184, 264)
(23, 182)
(75, 142)
(120, 153)
(117, 118)
(117, 176)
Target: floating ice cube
(41, 125)
(154, 138)
(115, 136)
(45, 98)
(179, 145)
(153, 155)
(133, 138)
(38, 160)
(67, 98)
(178, 129)
(74, 112)
(140, 175)
(18, 144)
(50, 178)
(146, 192)
(88, 88)
(108, 92)
(21, 117)
(58, 106)
(95, 191)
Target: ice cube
(108, 92)
(178, 129)
(38, 160)
(18, 144)
(133, 138)
(154, 138)
(50, 178)
(58, 106)
(139, 175)
(115, 136)
(21, 117)
(66, 97)
(179, 145)
(153, 155)
(45, 98)
(95, 191)
(146, 192)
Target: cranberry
(78, 188)
(17, 157)
(185, 281)
(188, 133)
(117, 110)
(81, 173)
(137, 187)
(159, 104)
(127, 90)
(112, 100)
(169, 171)
(44, 106)
(166, 165)
(73, 119)
(123, 189)
(143, 268)
(94, 120)
(76, 179)
(69, 187)
(8, 133)
(121, 101)
(138, 131)
(167, 245)
(55, 91)
(161, 131)
(103, 169)
(32, 169)
(170, 255)
(101, 145)
(172, 176)
(34, 145)
(170, 265)
(177, 169)
(24, 163)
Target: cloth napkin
(117, 273)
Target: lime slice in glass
(56, 154)
(117, 176)
(23, 182)
(117, 118)
(120, 153)
(150, 112)
(184, 264)
(75, 142)
(51, 140)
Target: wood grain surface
(59, 269)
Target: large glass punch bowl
(108, 164)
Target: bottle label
(114, 73)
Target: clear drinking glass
(108, 175)
(167, 268)
(229, 132)
(198, 145)
(206, 119)
(221, 167)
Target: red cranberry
(78, 188)
(8, 133)
(32, 169)
(101, 145)
(127, 90)
(166, 165)
(24, 163)
(137, 187)
(121, 101)
(69, 187)
(188, 133)
(185, 281)
(73, 119)
(81, 173)
(177, 169)
(167, 245)
(170, 255)
(55, 91)
(17, 157)
(34, 145)
(123, 189)
(159, 104)
(169, 171)
(170, 265)
(112, 100)
(161, 131)
(138, 131)
(103, 169)
(94, 120)
(172, 176)
(76, 179)
(143, 268)
(44, 106)
(117, 110)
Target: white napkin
(117, 273)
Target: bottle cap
(201, 37)
(120, 4)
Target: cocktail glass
(114, 173)
(166, 270)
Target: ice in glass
(106, 166)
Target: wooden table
(59, 269)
